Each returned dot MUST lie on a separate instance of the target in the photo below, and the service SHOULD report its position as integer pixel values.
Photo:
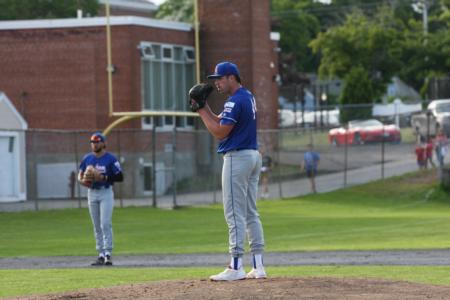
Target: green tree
(357, 90)
(297, 28)
(426, 55)
(371, 44)
(177, 10)
(45, 9)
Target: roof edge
(13, 109)
(93, 22)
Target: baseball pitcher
(235, 127)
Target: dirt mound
(273, 288)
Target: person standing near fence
(98, 172)
(235, 128)
(429, 153)
(311, 159)
(421, 153)
(441, 147)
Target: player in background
(98, 172)
(310, 163)
(235, 128)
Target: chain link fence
(170, 168)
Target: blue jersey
(311, 159)
(107, 164)
(240, 111)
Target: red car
(364, 131)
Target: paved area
(291, 188)
(400, 257)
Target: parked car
(364, 131)
(435, 117)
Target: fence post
(382, 155)
(36, 203)
(345, 155)
(214, 158)
(154, 161)
(119, 153)
(77, 163)
(174, 163)
(280, 181)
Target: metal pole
(382, 155)
(197, 41)
(154, 161)
(174, 163)
(279, 169)
(36, 203)
(77, 163)
(214, 158)
(120, 156)
(109, 67)
(345, 156)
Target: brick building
(54, 74)
(55, 70)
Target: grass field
(401, 213)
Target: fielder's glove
(198, 94)
(91, 175)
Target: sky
(158, 2)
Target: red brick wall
(63, 72)
(239, 31)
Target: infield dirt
(272, 288)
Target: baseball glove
(90, 176)
(198, 95)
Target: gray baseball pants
(240, 176)
(101, 204)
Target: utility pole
(425, 17)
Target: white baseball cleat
(258, 273)
(229, 274)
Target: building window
(168, 71)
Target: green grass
(399, 213)
(33, 282)
(390, 214)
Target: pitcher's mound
(273, 288)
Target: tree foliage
(45, 9)
(177, 10)
(360, 42)
(357, 90)
(297, 29)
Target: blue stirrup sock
(257, 261)
(236, 263)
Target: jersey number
(254, 108)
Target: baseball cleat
(258, 273)
(229, 274)
(108, 260)
(100, 261)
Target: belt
(101, 187)
(236, 150)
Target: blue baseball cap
(98, 137)
(224, 69)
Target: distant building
(12, 152)
(398, 89)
